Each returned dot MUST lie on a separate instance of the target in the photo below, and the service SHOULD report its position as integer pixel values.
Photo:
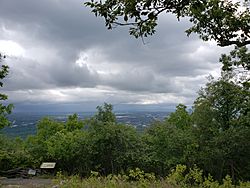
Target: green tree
(237, 65)
(36, 145)
(221, 120)
(212, 19)
(105, 114)
(4, 109)
(68, 146)
(167, 146)
(180, 118)
(227, 103)
(13, 154)
(102, 145)
(73, 123)
(66, 143)
(220, 20)
(115, 147)
(70, 150)
(170, 142)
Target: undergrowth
(180, 177)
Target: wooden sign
(48, 165)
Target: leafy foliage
(115, 147)
(212, 19)
(4, 109)
(98, 143)
(104, 114)
(179, 177)
(220, 20)
(70, 151)
(13, 154)
(167, 146)
(183, 177)
(180, 118)
(221, 117)
(37, 145)
(237, 65)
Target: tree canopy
(224, 21)
(4, 109)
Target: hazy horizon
(50, 108)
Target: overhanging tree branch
(217, 20)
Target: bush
(13, 154)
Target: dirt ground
(25, 183)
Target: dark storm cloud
(75, 76)
(141, 80)
(34, 75)
(56, 22)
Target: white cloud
(11, 48)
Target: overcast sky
(61, 54)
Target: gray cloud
(141, 80)
(61, 52)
